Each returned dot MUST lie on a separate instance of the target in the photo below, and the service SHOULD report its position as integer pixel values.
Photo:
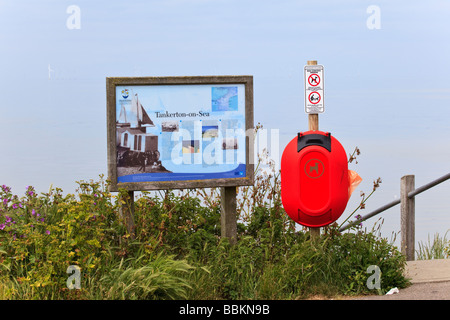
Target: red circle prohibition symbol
(314, 79)
(314, 99)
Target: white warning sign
(314, 89)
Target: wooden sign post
(228, 219)
(127, 212)
(313, 124)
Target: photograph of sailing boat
(137, 146)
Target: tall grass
(438, 248)
(160, 278)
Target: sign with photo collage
(179, 132)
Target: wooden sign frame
(113, 130)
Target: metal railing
(407, 211)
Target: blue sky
(387, 90)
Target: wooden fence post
(228, 219)
(407, 217)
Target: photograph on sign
(314, 89)
(172, 132)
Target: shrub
(177, 251)
(42, 235)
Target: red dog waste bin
(314, 179)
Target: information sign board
(180, 132)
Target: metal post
(407, 217)
(391, 204)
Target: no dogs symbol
(314, 97)
(314, 80)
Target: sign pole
(127, 211)
(228, 219)
(313, 124)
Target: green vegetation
(439, 248)
(177, 251)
